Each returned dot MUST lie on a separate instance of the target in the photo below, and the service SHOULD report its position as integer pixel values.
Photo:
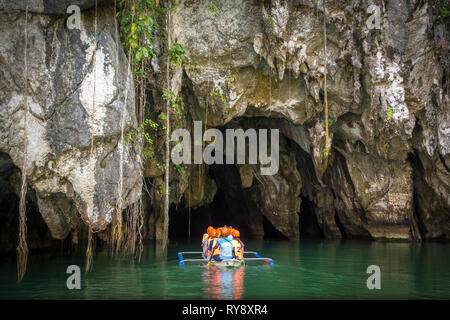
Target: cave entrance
(308, 226)
(232, 205)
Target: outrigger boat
(229, 263)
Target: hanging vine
(325, 98)
(22, 248)
(90, 206)
(167, 168)
(116, 228)
(140, 22)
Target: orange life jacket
(211, 244)
(205, 241)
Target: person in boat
(225, 246)
(238, 246)
(211, 243)
(206, 238)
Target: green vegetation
(215, 8)
(176, 101)
(175, 54)
(390, 112)
(217, 93)
(445, 10)
(231, 78)
(271, 19)
(330, 122)
(138, 24)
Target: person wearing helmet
(225, 231)
(238, 246)
(212, 244)
(226, 248)
(205, 239)
(214, 248)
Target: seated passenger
(205, 239)
(212, 244)
(238, 246)
(226, 248)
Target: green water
(302, 270)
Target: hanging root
(90, 206)
(117, 232)
(22, 248)
(325, 99)
(132, 224)
(133, 234)
(90, 250)
(140, 219)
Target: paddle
(212, 251)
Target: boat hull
(230, 263)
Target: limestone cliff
(61, 83)
(387, 174)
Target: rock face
(62, 74)
(248, 64)
(387, 176)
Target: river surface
(302, 270)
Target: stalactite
(22, 248)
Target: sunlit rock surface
(61, 116)
(387, 175)
(250, 64)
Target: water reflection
(224, 283)
(302, 270)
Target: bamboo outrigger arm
(182, 260)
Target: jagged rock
(385, 99)
(278, 196)
(373, 197)
(60, 118)
(260, 64)
(246, 174)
